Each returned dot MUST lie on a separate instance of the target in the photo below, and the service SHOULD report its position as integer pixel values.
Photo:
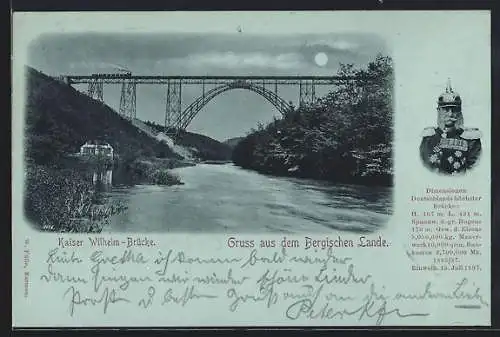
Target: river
(226, 198)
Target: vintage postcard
(214, 169)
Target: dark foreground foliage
(343, 137)
(63, 200)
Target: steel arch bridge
(177, 118)
(192, 110)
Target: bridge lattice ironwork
(177, 118)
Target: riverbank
(216, 162)
(65, 200)
(372, 167)
(154, 171)
(66, 197)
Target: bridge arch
(195, 107)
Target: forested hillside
(60, 195)
(232, 142)
(205, 148)
(345, 136)
(59, 119)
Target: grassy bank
(64, 200)
(155, 171)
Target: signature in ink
(370, 308)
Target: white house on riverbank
(97, 148)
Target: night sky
(231, 114)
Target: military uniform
(450, 148)
(450, 152)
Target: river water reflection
(226, 198)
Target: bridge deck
(146, 79)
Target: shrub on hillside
(64, 201)
(165, 177)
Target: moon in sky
(321, 59)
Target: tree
(341, 135)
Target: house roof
(96, 142)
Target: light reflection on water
(225, 198)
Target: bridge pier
(307, 92)
(128, 100)
(95, 90)
(173, 109)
